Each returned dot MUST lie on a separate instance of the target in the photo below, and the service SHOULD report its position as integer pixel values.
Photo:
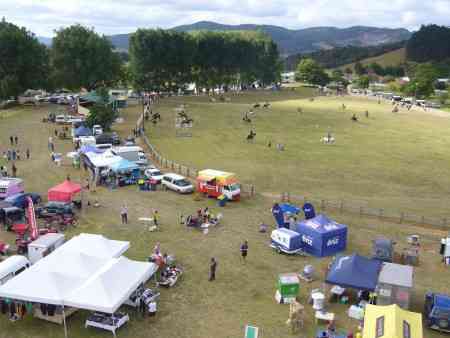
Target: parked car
(153, 173)
(55, 208)
(20, 200)
(61, 119)
(437, 311)
(177, 183)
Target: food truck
(215, 183)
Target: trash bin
(222, 201)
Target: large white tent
(87, 272)
(103, 160)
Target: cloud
(114, 16)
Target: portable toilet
(309, 211)
(288, 287)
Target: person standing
(14, 170)
(50, 143)
(244, 251)
(11, 140)
(124, 214)
(155, 217)
(212, 269)
(16, 140)
(28, 153)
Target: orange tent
(64, 192)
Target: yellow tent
(391, 322)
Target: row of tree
(81, 58)
(169, 59)
(377, 69)
(429, 44)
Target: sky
(124, 16)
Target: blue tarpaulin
(322, 236)
(355, 271)
(83, 131)
(279, 211)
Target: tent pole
(64, 320)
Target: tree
(24, 62)
(376, 68)
(310, 71)
(423, 80)
(364, 82)
(444, 97)
(82, 58)
(102, 112)
(430, 43)
(360, 69)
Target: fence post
(380, 213)
(289, 197)
(252, 189)
(402, 216)
(341, 207)
(423, 220)
(360, 211)
(444, 221)
(322, 205)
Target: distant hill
(393, 58)
(299, 41)
(340, 56)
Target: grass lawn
(392, 161)
(242, 293)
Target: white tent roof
(82, 275)
(95, 245)
(104, 159)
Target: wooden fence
(361, 209)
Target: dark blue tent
(83, 131)
(309, 211)
(279, 210)
(322, 236)
(355, 271)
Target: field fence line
(360, 208)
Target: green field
(244, 294)
(392, 161)
(393, 58)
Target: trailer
(215, 183)
(286, 241)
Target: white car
(97, 130)
(177, 183)
(154, 173)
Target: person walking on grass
(244, 251)
(11, 140)
(212, 269)
(124, 214)
(155, 217)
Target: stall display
(282, 213)
(108, 322)
(395, 284)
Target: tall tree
(82, 58)
(23, 61)
(310, 71)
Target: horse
(327, 140)
(266, 105)
(251, 136)
(256, 105)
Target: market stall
(127, 172)
(354, 271)
(391, 322)
(395, 284)
(322, 236)
(64, 192)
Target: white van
(133, 153)
(12, 266)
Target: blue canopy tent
(125, 166)
(280, 210)
(83, 131)
(355, 271)
(322, 236)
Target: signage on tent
(333, 241)
(308, 240)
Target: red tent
(64, 192)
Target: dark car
(21, 201)
(55, 208)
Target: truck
(437, 311)
(215, 183)
(10, 186)
(134, 154)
